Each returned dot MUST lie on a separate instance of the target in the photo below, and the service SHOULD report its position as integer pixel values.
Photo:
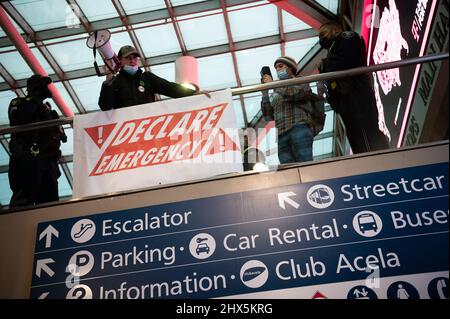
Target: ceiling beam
(281, 29)
(23, 24)
(176, 27)
(234, 59)
(198, 53)
(307, 11)
(13, 85)
(133, 19)
(134, 39)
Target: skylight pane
(65, 95)
(298, 49)
(216, 72)
(5, 191)
(88, 91)
(252, 103)
(238, 111)
(98, 9)
(5, 99)
(137, 6)
(73, 55)
(166, 40)
(176, 3)
(203, 32)
(254, 23)
(42, 61)
(331, 5)
(251, 61)
(323, 146)
(46, 14)
(269, 146)
(165, 71)
(4, 157)
(329, 123)
(15, 65)
(118, 40)
(64, 188)
(67, 148)
(291, 23)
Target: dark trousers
(360, 116)
(33, 181)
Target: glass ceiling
(254, 28)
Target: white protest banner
(153, 144)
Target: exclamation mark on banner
(100, 135)
(222, 142)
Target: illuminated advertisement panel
(399, 30)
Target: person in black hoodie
(33, 166)
(352, 98)
(132, 86)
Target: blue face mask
(131, 69)
(283, 74)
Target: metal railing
(267, 86)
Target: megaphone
(99, 40)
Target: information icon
(79, 292)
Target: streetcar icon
(320, 196)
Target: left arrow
(41, 264)
(44, 295)
(47, 233)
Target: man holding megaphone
(132, 86)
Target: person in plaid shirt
(291, 108)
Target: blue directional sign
(326, 232)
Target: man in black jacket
(33, 165)
(352, 97)
(133, 87)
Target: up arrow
(284, 198)
(41, 264)
(47, 233)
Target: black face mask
(326, 43)
(42, 91)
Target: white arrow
(44, 295)
(284, 198)
(41, 264)
(47, 233)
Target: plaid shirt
(288, 107)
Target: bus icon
(367, 223)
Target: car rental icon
(202, 248)
(367, 222)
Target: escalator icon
(83, 230)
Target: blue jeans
(296, 145)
